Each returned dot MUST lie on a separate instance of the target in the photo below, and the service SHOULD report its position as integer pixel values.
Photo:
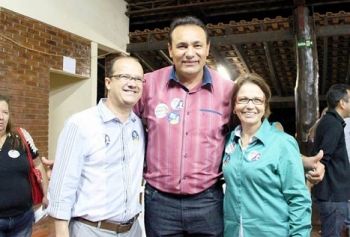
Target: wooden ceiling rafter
(242, 57)
(271, 67)
(325, 64)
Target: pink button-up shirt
(185, 141)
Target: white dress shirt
(98, 167)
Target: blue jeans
(347, 221)
(180, 215)
(17, 226)
(333, 217)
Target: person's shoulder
(329, 121)
(81, 116)
(220, 84)
(165, 71)
(217, 77)
(282, 136)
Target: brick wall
(28, 49)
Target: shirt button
(186, 133)
(188, 113)
(185, 155)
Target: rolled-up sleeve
(66, 171)
(294, 190)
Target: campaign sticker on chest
(230, 148)
(177, 104)
(254, 156)
(161, 110)
(13, 154)
(174, 117)
(226, 159)
(135, 136)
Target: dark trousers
(184, 215)
(17, 226)
(333, 217)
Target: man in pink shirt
(185, 108)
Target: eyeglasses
(255, 100)
(128, 77)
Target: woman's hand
(45, 201)
(45, 182)
(48, 166)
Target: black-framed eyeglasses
(128, 77)
(255, 100)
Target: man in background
(333, 192)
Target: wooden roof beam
(165, 56)
(147, 65)
(325, 65)
(332, 30)
(242, 56)
(272, 69)
(347, 78)
(216, 40)
(280, 35)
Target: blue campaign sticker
(226, 158)
(174, 117)
(135, 135)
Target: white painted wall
(69, 94)
(65, 91)
(101, 21)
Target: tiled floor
(44, 228)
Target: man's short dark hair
(335, 93)
(187, 20)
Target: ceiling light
(223, 72)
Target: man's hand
(310, 162)
(315, 168)
(48, 166)
(316, 175)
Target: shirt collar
(337, 116)
(107, 115)
(207, 80)
(260, 134)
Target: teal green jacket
(265, 192)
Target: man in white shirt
(96, 180)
